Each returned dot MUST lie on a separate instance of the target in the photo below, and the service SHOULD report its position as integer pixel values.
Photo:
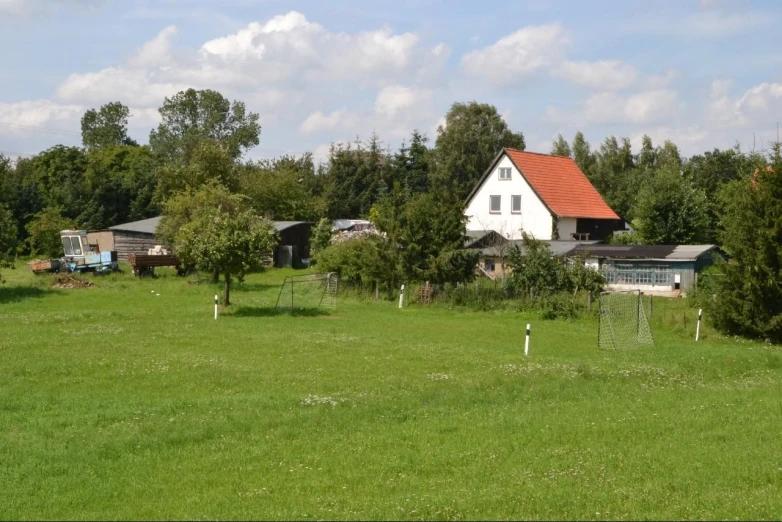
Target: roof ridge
(517, 151)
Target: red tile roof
(561, 185)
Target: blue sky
(703, 73)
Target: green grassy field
(119, 403)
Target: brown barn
(127, 238)
(139, 236)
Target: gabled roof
(482, 238)
(559, 184)
(145, 226)
(148, 226)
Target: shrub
(356, 261)
(477, 297)
(44, 232)
(559, 306)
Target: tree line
(195, 172)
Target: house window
(505, 173)
(515, 204)
(488, 265)
(494, 204)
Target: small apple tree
(233, 243)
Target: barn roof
(557, 247)
(144, 226)
(284, 225)
(559, 184)
(148, 226)
(656, 252)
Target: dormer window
(505, 173)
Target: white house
(546, 196)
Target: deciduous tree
(191, 116)
(106, 127)
(472, 135)
(8, 241)
(232, 243)
(44, 232)
(671, 211)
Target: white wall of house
(567, 226)
(592, 262)
(534, 218)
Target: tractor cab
(80, 256)
(74, 243)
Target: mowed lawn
(119, 403)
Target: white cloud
(534, 49)
(651, 106)
(131, 86)
(290, 46)
(321, 152)
(690, 139)
(285, 66)
(612, 108)
(396, 99)
(336, 120)
(397, 110)
(519, 54)
(761, 101)
(156, 52)
(38, 113)
(758, 108)
(602, 74)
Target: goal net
(308, 291)
(622, 321)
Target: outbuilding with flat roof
(653, 269)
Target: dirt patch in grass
(67, 281)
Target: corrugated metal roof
(284, 225)
(663, 252)
(344, 224)
(557, 247)
(148, 226)
(145, 226)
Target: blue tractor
(80, 256)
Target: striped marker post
(698, 328)
(402, 297)
(216, 301)
(526, 342)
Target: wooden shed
(139, 236)
(294, 247)
(127, 238)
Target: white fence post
(402, 297)
(216, 301)
(698, 328)
(526, 342)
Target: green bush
(357, 261)
(559, 306)
(477, 297)
(44, 232)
